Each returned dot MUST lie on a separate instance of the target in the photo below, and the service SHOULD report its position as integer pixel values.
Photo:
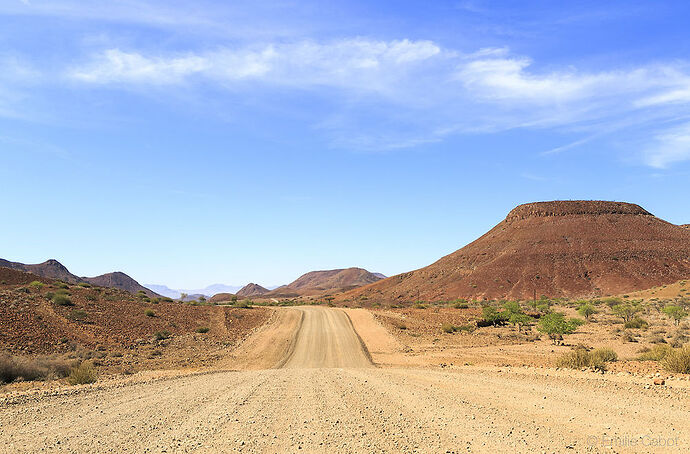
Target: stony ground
(306, 406)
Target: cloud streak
(425, 92)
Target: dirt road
(327, 397)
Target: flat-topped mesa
(574, 207)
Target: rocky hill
(252, 289)
(120, 281)
(52, 269)
(318, 282)
(558, 249)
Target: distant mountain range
(206, 291)
(53, 269)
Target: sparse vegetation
(556, 325)
(14, 368)
(77, 315)
(676, 313)
(580, 358)
(515, 315)
(605, 354)
(627, 310)
(490, 316)
(161, 335)
(36, 285)
(83, 374)
(450, 328)
(586, 309)
(677, 360)
(244, 304)
(62, 300)
(656, 353)
(203, 329)
(636, 323)
(150, 313)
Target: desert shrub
(556, 325)
(91, 297)
(19, 368)
(62, 300)
(77, 315)
(244, 304)
(656, 353)
(467, 328)
(150, 313)
(83, 374)
(167, 300)
(459, 305)
(84, 284)
(677, 360)
(626, 310)
(515, 316)
(580, 358)
(605, 354)
(636, 323)
(657, 339)
(62, 285)
(36, 285)
(586, 309)
(203, 329)
(490, 316)
(161, 335)
(420, 305)
(448, 328)
(676, 313)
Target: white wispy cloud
(434, 91)
(668, 147)
(354, 63)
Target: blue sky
(188, 143)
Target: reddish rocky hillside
(316, 282)
(31, 321)
(252, 289)
(558, 249)
(52, 269)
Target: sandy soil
(306, 406)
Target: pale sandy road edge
(291, 346)
(361, 341)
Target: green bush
(36, 285)
(161, 335)
(203, 329)
(556, 325)
(491, 316)
(77, 315)
(636, 323)
(149, 313)
(84, 284)
(62, 300)
(677, 360)
(244, 304)
(448, 328)
(676, 313)
(83, 374)
(586, 309)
